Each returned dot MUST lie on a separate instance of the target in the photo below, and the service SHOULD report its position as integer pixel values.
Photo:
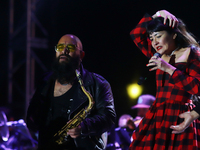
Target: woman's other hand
(159, 63)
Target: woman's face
(163, 42)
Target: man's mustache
(65, 55)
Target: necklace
(173, 52)
(65, 84)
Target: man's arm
(102, 117)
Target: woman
(177, 79)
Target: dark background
(103, 27)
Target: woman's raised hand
(173, 21)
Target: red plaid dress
(172, 98)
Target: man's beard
(65, 71)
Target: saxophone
(61, 136)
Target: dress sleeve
(140, 37)
(189, 80)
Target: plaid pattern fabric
(172, 98)
(197, 109)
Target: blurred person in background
(144, 102)
(121, 136)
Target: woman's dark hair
(184, 38)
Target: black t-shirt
(60, 108)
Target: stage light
(5, 139)
(134, 90)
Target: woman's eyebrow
(153, 35)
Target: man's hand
(189, 117)
(75, 132)
(130, 124)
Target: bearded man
(59, 98)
